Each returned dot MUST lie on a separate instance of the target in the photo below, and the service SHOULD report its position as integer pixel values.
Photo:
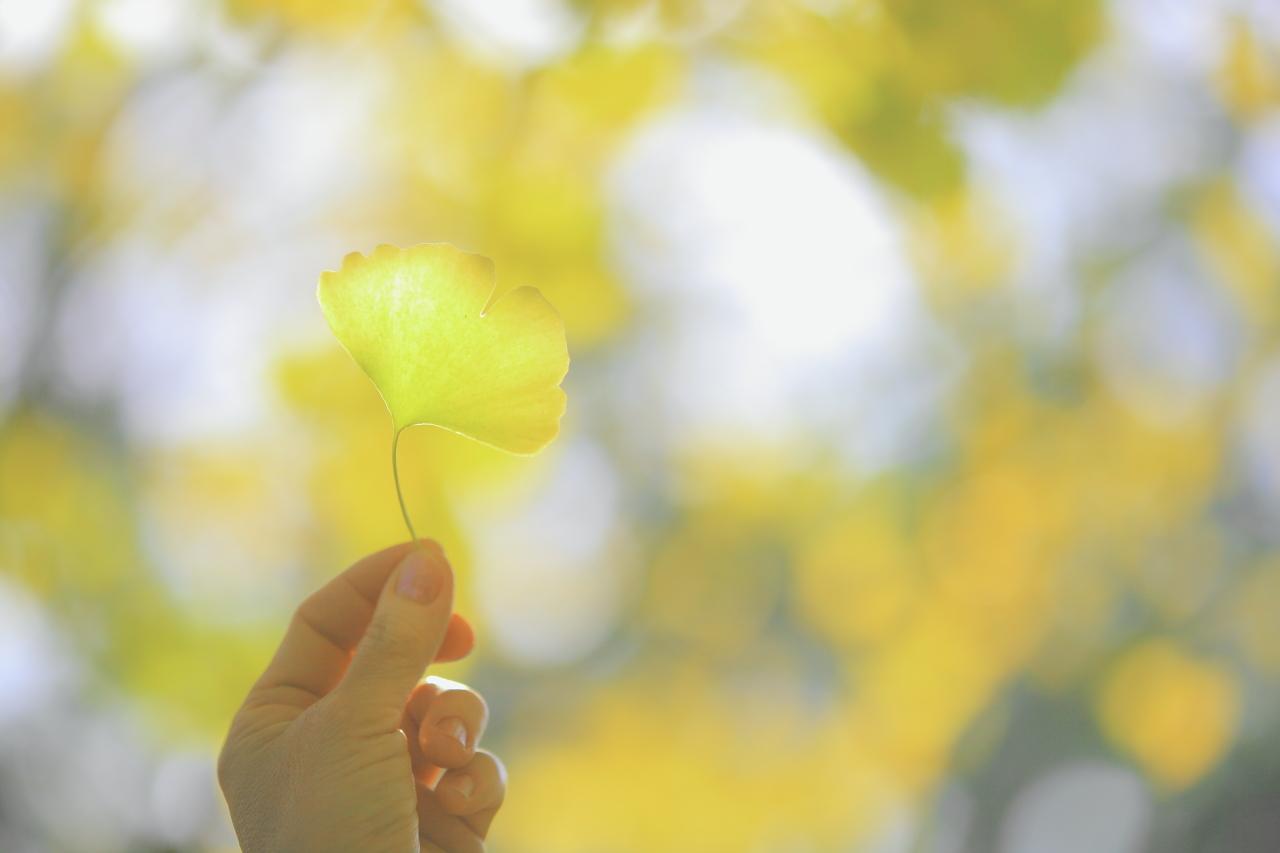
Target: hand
(340, 746)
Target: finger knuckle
(490, 765)
(459, 699)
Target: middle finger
(448, 719)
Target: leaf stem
(395, 473)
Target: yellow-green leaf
(423, 324)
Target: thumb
(406, 631)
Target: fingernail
(421, 576)
(453, 727)
(464, 785)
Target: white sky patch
(1168, 339)
(518, 33)
(1174, 33)
(1089, 174)
(31, 32)
(1090, 806)
(181, 317)
(299, 141)
(252, 163)
(114, 777)
(777, 267)
(770, 223)
(138, 327)
(1265, 15)
(183, 798)
(214, 554)
(158, 152)
(1259, 171)
(551, 565)
(35, 665)
(184, 342)
(152, 31)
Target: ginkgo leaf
(420, 322)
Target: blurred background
(919, 490)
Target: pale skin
(342, 745)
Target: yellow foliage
(66, 533)
(1249, 79)
(1128, 478)
(878, 73)
(64, 509)
(804, 653)
(1240, 251)
(338, 19)
(857, 579)
(15, 117)
(548, 227)
(714, 587)
(853, 70)
(918, 694)
(961, 244)
(543, 207)
(1176, 713)
(1014, 51)
(989, 544)
(453, 139)
(593, 97)
(723, 773)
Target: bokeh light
(920, 484)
